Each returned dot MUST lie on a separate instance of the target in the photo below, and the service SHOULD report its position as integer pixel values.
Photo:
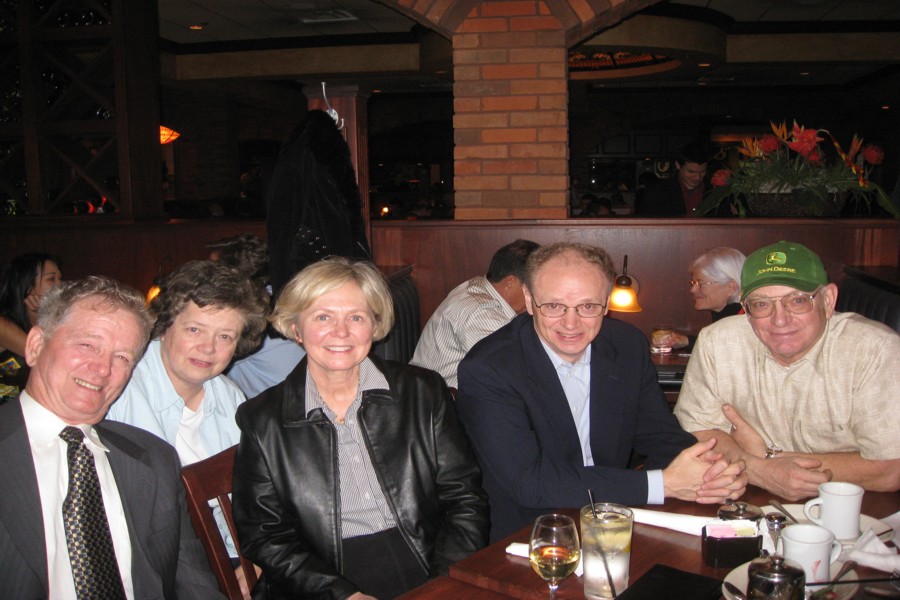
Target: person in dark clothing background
(680, 195)
(314, 208)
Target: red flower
(814, 158)
(720, 178)
(768, 143)
(805, 140)
(873, 154)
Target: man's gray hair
(108, 293)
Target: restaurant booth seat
(871, 301)
(400, 343)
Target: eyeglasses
(702, 284)
(554, 310)
(796, 303)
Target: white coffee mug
(813, 547)
(839, 504)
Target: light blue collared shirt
(150, 402)
(575, 379)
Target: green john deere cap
(784, 263)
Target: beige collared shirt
(843, 396)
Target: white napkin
(683, 523)
(872, 552)
(894, 522)
(520, 549)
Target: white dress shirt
(48, 451)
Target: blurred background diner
(276, 356)
(715, 286)
(23, 283)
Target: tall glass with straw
(606, 549)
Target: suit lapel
(551, 398)
(20, 503)
(606, 392)
(136, 482)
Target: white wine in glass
(554, 549)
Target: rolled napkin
(684, 523)
(894, 522)
(872, 552)
(520, 549)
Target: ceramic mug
(812, 547)
(839, 504)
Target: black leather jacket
(286, 495)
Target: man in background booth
(474, 309)
(276, 356)
(801, 393)
(680, 195)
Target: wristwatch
(773, 450)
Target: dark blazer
(167, 558)
(517, 418)
(286, 498)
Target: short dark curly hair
(211, 283)
(246, 253)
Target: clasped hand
(702, 475)
(791, 476)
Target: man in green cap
(801, 393)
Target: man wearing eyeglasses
(555, 402)
(801, 393)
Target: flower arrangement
(794, 164)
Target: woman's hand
(361, 596)
(242, 581)
(32, 302)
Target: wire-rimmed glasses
(554, 310)
(796, 303)
(701, 284)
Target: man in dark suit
(554, 404)
(89, 335)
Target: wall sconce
(625, 291)
(167, 135)
(154, 290)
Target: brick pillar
(510, 114)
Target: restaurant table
(511, 576)
(444, 588)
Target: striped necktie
(91, 553)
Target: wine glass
(554, 549)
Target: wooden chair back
(207, 480)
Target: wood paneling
(443, 254)
(130, 252)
